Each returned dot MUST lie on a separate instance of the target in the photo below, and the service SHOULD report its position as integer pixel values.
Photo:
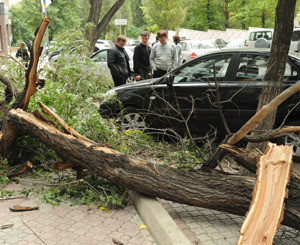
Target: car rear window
(260, 34)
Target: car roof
(250, 50)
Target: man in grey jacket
(118, 61)
(163, 57)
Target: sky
(13, 1)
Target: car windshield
(101, 56)
(236, 43)
(203, 44)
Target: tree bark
(284, 23)
(205, 188)
(226, 14)
(93, 33)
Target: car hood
(131, 85)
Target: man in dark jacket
(118, 61)
(141, 58)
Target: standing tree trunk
(208, 14)
(263, 18)
(243, 18)
(284, 23)
(93, 33)
(226, 13)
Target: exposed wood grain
(267, 206)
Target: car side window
(254, 67)
(183, 46)
(290, 73)
(100, 57)
(203, 70)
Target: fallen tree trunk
(204, 188)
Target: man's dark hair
(145, 34)
(162, 33)
(121, 38)
(176, 39)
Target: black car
(185, 100)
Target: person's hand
(149, 74)
(154, 69)
(138, 77)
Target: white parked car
(101, 43)
(263, 39)
(260, 38)
(101, 58)
(194, 48)
(235, 43)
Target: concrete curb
(160, 224)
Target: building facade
(5, 28)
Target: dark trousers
(144, 73)
(159, 73)
(119, 80)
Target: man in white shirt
(163, 57)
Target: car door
(244, 89)
(101, 58)
(243, 92)
(188, 103)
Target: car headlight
(110, 96)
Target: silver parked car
(101, 43)
(194, 48)
(218, 41)
(101, 58)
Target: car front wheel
(133, 119)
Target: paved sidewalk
(72, 225)
(69, 225)
(210, 227)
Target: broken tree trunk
(23, 98)
(205, 188)
(267, 207)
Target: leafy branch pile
(73, 85)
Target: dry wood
(19, 169)
(205, 188)
(266, 210)
(246, 158)
(22, 208)
(64, 165)
(272, 134)
(62, 123)
(31, 75)
(2, 227)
